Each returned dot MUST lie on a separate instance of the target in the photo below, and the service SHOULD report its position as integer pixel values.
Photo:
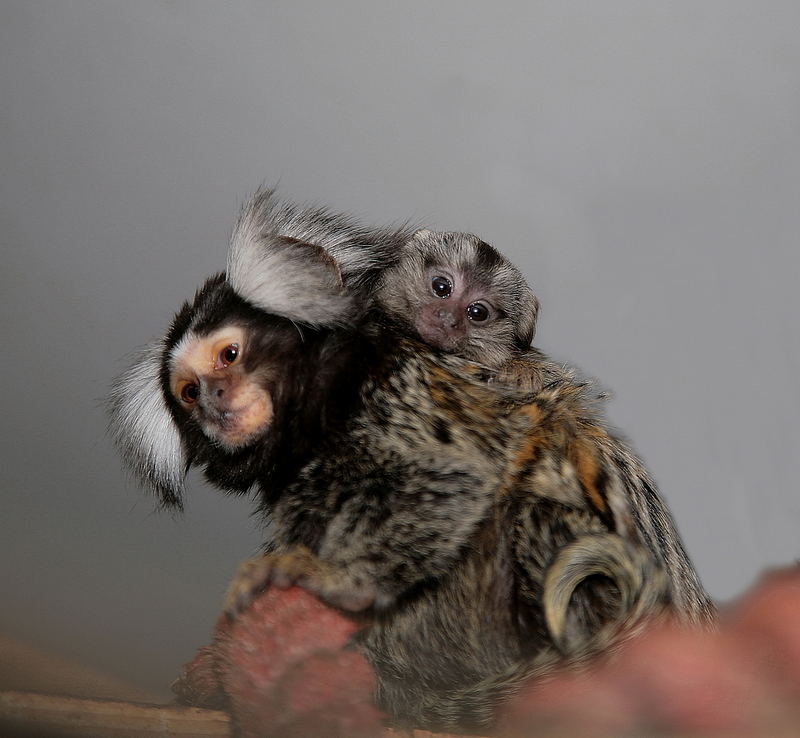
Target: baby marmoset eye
(478, 312)
(442, 287)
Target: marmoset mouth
(440, 336)
(237, 426)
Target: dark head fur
(288, 295)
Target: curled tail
(637, 587)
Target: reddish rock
(286, 667)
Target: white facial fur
(143, 426)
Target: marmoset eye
(477, 312)
(442, 287)
(190, 393)
(229, 354)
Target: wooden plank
(32, 714)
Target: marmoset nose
(447, 318)
(215, 388)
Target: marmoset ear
(282, 275)
(144, 430)
(528, 316)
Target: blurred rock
(286, 667)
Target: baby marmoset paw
(298, 567)
(522, 375)
(531, 372)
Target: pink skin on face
(239, 415)
(442, 322)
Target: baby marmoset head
(460, 296)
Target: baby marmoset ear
(525, 329)
(421, 234)
(282, 275)
(144, 430)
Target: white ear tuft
(283, 275)
(144, 430)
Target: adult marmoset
(400, 483)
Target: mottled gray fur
(643, 589)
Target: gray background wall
(639, 160)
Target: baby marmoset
(461, 296)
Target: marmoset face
(460, 296)
(209, 379)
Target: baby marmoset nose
(447, 318)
